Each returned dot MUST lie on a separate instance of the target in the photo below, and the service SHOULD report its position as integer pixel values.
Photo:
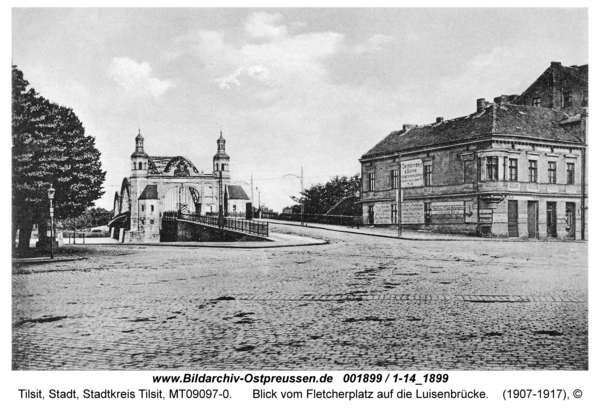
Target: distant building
(159, 184)
(513, 168)
(236, 200)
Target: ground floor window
(394, 213)
(427, 211)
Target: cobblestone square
(358, 302)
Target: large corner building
(515, 167)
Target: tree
(49, 148)
(318, 199)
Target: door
(570, 220)
(551, 219)
(371, 215)
(532, 220)
(513, 218)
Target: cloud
(258, 72)
(373, 44)
(262, 24)
(135, 78)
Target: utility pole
(399, 197)
(252, 192)
(302, 190)
(220, 199)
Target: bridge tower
(138, 179)
(221, 160)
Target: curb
(45, 260)
(434, 239)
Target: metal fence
(339, 220)
(242, 225)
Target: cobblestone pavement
(359, 302)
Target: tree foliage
(96, 216)
(318, 199)
(49, 147)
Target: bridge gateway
(168, 184)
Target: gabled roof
(236, 193)
(150, 193)
(494, 120)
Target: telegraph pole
(302, 190)
(399, 194)
(220, 199)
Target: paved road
(357, 303)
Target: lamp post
(51, 192)
(301, 177)
(259, 212)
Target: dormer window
(536, 102)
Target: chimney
(439, 119)
(408, 127)
(555, 64)
(480, 105)
(501, 100)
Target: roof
(236, 193)
(150, 193)
(163, 164)
(494, 120)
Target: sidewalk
(274, 240)
(388, 232)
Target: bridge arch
(182, 197)
(125, 197)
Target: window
(533, 171)
(394, 178)
(570, 173)
(143, 207)
(536, 102)
(513, 169)
(222, 166)
(467, 171)
(491, 165)
(585, 98)
(567, 100)
(552, 172)
(151, 221)
(427, 211)
(371, 181)
(234, 208)
(152, 208)
(427, 175)
(394, 218)
(140, 166)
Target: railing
(245, 226)
(352, 221)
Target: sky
(292, 89)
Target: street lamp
(51, 192)
(259, 212)
(301, 177)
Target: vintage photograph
(300, 189)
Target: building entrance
(513, 218)
(532, 219)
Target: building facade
(159, 184)
(505, 170)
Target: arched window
(222, 166)
(140, 166)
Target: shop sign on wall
(383, 213)
(413, 213)
(411, 173)
(447, 208)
